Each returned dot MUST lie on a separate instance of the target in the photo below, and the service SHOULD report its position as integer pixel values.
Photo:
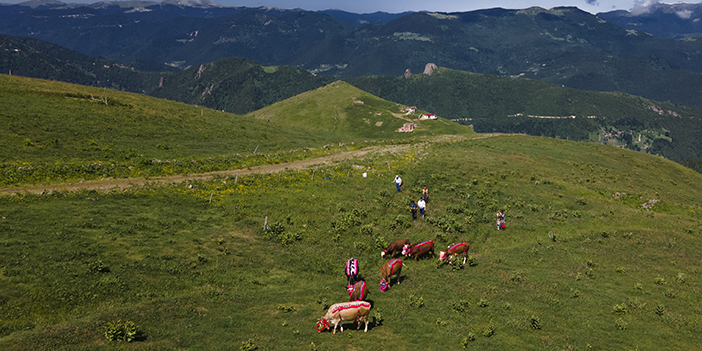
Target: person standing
(398, 182)
(500, 220)
(425, 194)
(422, 207)
(413, 208)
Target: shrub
(286, 308)
(459, 306)
(660, 281)
(671, 294)
(621, 324)
(680, 277)
(121, 331)
(248, 345)
(552, 236)
(535, 322)
(489, 331)
(415, 301)
(377, 317)
(483, 303)
(660, 309)
(619, 309)
(98, 267)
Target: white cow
(345, 311)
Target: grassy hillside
(582, 265)
(340, 108)
(500, 104)
(50, 131)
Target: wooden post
(347, 175)
(388, 163)
(278, 176)
(234, 210)
(236, 179)
(256, 149)
(201, 112)
(265, 223)
(211, 194)
(313, 174)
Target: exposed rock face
(408, 73)
(430, 68)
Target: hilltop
(340, 108)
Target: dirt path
(106, 184)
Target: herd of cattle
(357, 309)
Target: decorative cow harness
(454, 246)
(323, 323)
(418, 246)
(352, 267)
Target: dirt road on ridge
(106, 184)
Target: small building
(406, 128)
(428, 116)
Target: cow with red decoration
(390, 268)
(395, 247)
(419, 249)
(454, 250)
(357, 311)
(358, 291)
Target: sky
(397, 6)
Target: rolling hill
(340, 108)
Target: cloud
(592, 2)
(684, 14)
(643, 7)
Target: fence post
(265, 223)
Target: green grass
(198, 275)
(342, 109)
(55, 132)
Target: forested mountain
(561, 46)
(676, 20)
(499, 104)
(233, 84)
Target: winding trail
(107, 184)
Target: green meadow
(582, 265)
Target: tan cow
(345, 311)
(455, 249)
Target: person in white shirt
(422, 207)
(398, 182)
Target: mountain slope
(342, 109)
(499, 104)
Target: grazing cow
(358, 291)
(395, 247)
(352, 270)
(453, 250)
(390, 268)
(419, 249)
(345, 311)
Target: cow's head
(442, 255)
(350, 288)
(322, 324)
(406, 250)
(383, 285)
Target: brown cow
(345, 311)
(390, 268)
(395, 247)
(358, 291)
(453, 250)
(419, 249)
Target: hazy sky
(395, 6)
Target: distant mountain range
(677, 20)
(561, 46)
